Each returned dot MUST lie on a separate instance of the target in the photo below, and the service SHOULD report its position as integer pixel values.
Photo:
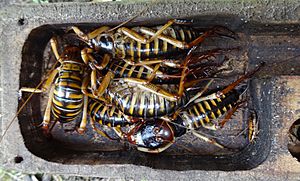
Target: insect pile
(149, 85)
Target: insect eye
(103, 39)
(156, 130)
(158, 139)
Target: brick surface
(283, 83)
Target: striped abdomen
(202, 113)
(136, 102)
(122, 69)
(68, 98)
(157, 47)
(106, 115)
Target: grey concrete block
(271, 28)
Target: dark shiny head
(103, 43)
(154, 136)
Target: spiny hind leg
(241, 79)
(167, 25)
(144, 84)
(154, 72)
(207, 59)
(199, 93)
(100, 30)
(154, 34)
(194, 132)
(183, 44)
(217, 30)
(47, 114)
(231, 112)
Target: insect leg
(47, 115)
(214, 31)
(124, 136)
(230, 86)
(168, 39)
(182, 44)
(83, 122)
(89, 59)
(85, 55)
(84, 86)
(104, 84)
(84, 89)
(237, 82)
(163, 28)
(90, 35)
(51, 76)
(53, 43)
(185, 71)
(153, 74)
(199, 93)
(119, 132)
(167, 62)
(133, 34)
(230, 113)
(45, 86)
(102, 133)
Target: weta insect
(66, 96)
(158, 135)
(138, 102)
(253, 128)
(156, 41)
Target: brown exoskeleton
(156, 136)
(132, 44)
(68, 95)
